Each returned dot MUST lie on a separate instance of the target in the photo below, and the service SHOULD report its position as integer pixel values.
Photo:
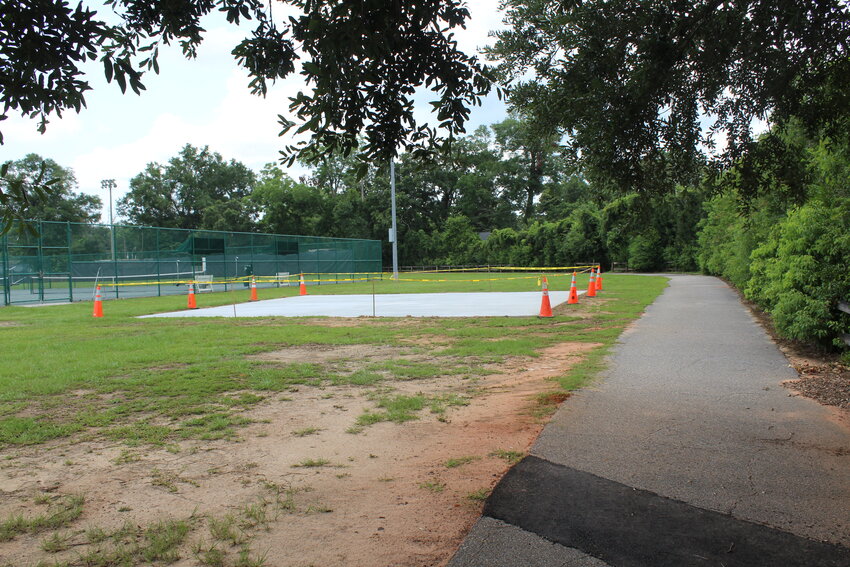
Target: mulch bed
(829, 384)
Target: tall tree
(528, 158)
(477, 194)
(197, 189)
(290, 207)
(640, 88)
(61, 203)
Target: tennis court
(491, 304)
(64, 261)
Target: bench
(282, 278)
(204, 283)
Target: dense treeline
(506, 197)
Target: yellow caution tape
(365, 277)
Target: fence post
(7, 290)
(40, 252)
(158, 267)
(114, 259)
(70, 258)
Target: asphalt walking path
(687, 451)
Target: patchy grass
(159, 381)
(313, 463)
(29, 431)
(61, 512)
(512, 457)
(548, 403)
(479, 495)
(306, 431)
(398, 409)
(590, 366)
(460, 461)
(130, 545)
(439, 404)
(161, 542)
(433, 486)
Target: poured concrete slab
(495, 304)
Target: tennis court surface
(494, 304)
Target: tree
(197, 189)
(528, 162)
(631, 83)
(60, 203)
(363, 61)
(289, 207)
(558, 200)
(478, 165)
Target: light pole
(110, 185)
(394, 229)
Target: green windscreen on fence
(65, 260)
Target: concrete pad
(494, 304)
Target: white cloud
(241, 126)
(485, 17)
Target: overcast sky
(200, 102)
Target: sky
(203, 102)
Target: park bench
(204, 283)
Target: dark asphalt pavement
(691, 416)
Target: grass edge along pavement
(157, 381)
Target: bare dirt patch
(327, 353)
(391, 495)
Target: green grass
(156, 543)
(479, 495)
(312, 463)
(61, 512)
(306, 431)
(433, 486)
(157, 381)
(397, 409)
(512, 457)
(29, 431)
(459, 461)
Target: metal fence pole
(70, 271)
(158, 268)
(114, 259)
(7, 290)
(40, 261)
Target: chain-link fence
(65, 261)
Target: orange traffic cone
(573, 298)
(303, 290)
(545, 306)
(591, 286)
(599, 278)
(191, 304)
(253, 288)
(98, 304)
